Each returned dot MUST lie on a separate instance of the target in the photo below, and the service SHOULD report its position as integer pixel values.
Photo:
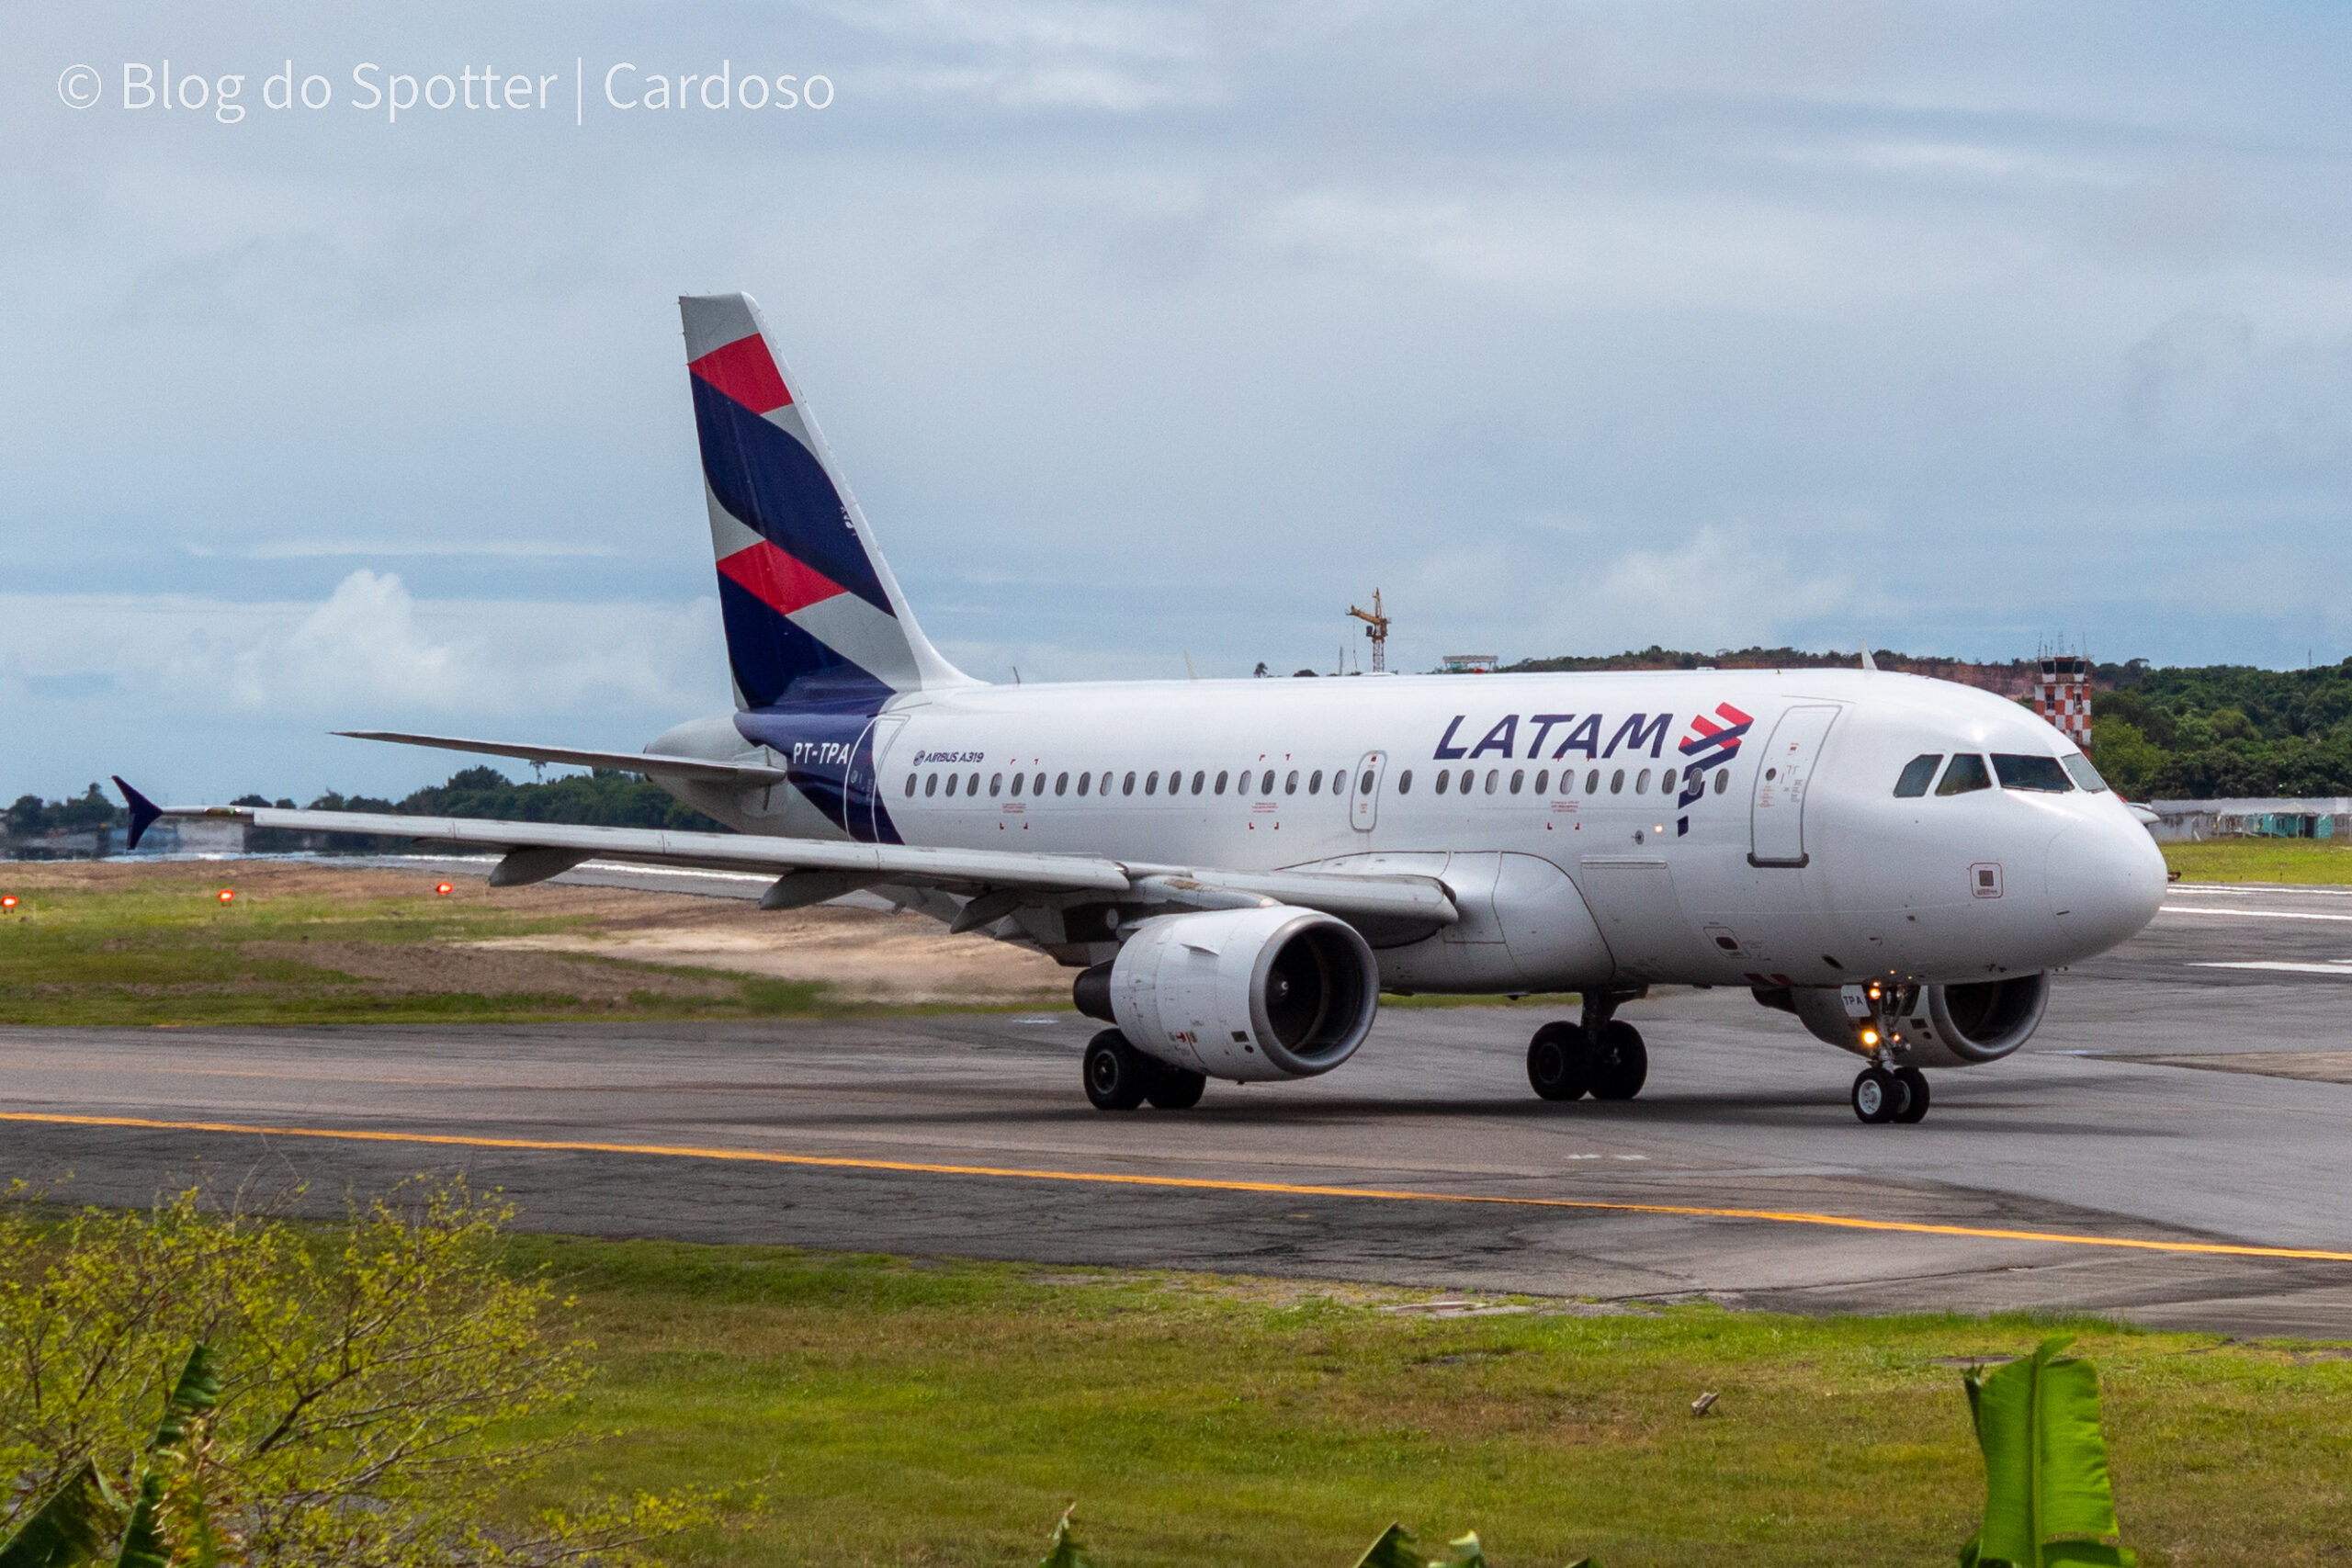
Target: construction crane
(1377, 628)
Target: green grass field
(2262, 860)
(905, 1413)
(158, 947)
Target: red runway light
(443, 888)
(228, 896)
(7, 900)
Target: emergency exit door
(1783, 778)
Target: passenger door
(1784, 771)
(1363, 811)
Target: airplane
(1237, 870)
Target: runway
(2188, 1093)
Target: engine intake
(1274, 992)
(1942, 1026)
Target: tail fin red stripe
(746, 372)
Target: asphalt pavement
(2174, 1132)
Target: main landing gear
(1120, 1078)
(1599, 1054)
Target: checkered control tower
(2064, 697)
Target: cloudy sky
(1149, 329)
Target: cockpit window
(2085, 774)
(2031, 772)
(1917, 774)
(1966, 773)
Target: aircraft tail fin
(813, 614)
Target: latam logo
(1711, 743)
(1584, 734)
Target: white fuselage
(1787, 860)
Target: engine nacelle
(1942, 1026)
(1274, 992)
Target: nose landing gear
(1883, 1093)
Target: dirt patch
(860, 954)
(417, 969)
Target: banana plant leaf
(197, 1393)
(1063, 1550)
(142, 1539)
(67, 1529)
(2047, 1497)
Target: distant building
(2257, 817)
(2064, 696)
(1469, 664)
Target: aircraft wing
(810, 869)
(739, 773)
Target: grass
(2306, 861)
(165, 950)
(887, 1411)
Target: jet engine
(1941, 1026)
(1273, 992)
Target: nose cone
(2106, 881)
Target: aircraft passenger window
(1405, 781)
(1617, 781)
(1105, 789)
(1084, 780)
(2042, 773)
(1592, 782)
(1365, 787)
(1151, 781)
(1542, 779)
(930, 785)
(1290, 784)
(911, 786)
(951, 784)
(1966, 775)
(1338, 780)
(1221, 782)
(1061, 785)
(1199, 778)
(1037, 784)
(1518, 777)
(1665, 782)
(1018, 780)
(996, 785)
(972, 784)
(2085, 774)
(1642, 782)
(1722, 780)
(1127, 785)
(1266, 784)
(1917, 774)
(1439, 782)
(1315, 782)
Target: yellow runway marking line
(1193, 1183)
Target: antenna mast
(1377, 628)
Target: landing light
(1870, 1036)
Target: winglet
(1870, 665)
(143, 811)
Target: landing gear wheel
(1557, 1060)
(1916, 1108)
(1879, 1095)
(1176, 1088)
(1619, 1064)
(1117, 1074)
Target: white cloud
(372, 649)
(492, 549)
